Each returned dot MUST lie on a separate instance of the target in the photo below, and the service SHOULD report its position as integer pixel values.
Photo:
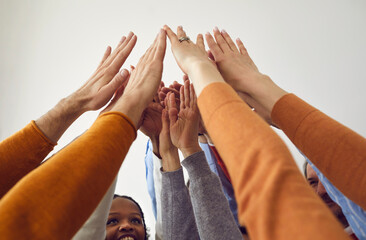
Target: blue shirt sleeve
(149, 166)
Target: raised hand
(239, 70)
(169, 152)
(184, 124)
(144, 81)
(101, 86)
(94, 94)
(193, 59)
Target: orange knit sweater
(20, 154)
(338, 152)
(274, 201)
(54, 200)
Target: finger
(173, 112)
(180, 32)
(186, 94)
(229, 41)
(221, 41)
(214, 47)
(185, 77)
(171, 35)
(176, 85)
(166, 90)
(122, 55)
(107, 91)
(242, 49)
(161, 46)
(181, 91)
(200, 43)
(165, 120)
(115, 52)
(192, 96)
(105, 56)
(162, 96)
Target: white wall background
(48, 49)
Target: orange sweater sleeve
(20, 154)
(337, 151)
(274, 201)
(54, 200)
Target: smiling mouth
(126, 238)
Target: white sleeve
(157, 185)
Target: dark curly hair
(141, 212)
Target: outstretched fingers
(123, 53)
(221, 41)
(171, 35)
(242, 49)
(105, 56)
(229, 41)
(161, 45)
(214, 47)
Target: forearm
(177, 218)
(21, 153)
(70, 185)
(210, 205)
(338, 152)
(57, 120)
(268, 185)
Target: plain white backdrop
(315, 49)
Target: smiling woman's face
(124, 221)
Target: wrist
(155, 144)
(203, 73)
(131, 107)
(188, 151)
(170, 160)
(268, 93)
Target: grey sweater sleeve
(177, 214)
(211, 208)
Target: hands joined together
(142, 97)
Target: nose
(125, 227)
(320, 190)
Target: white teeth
(127, 238)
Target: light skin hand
(169, 153)
(93, 95)
(239, 70)
(184, 124)
(144, 81)
(193, 60)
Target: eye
(112, 222)
(313, 183)
(136, 220)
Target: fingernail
(216, 29)
(223, 31)
(124, 73)
(208, 33)
(238, 39)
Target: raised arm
(273, 199)
(71, 196)
(25, 150)
(177, 214)
(211, 209)
(337, 151)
